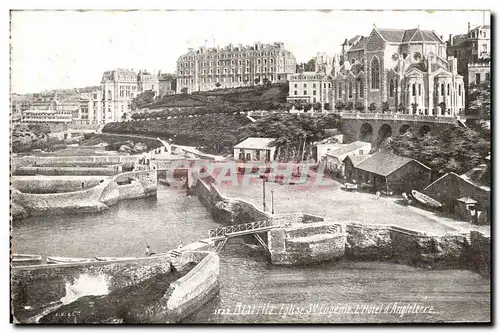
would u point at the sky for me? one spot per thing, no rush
(70, 49)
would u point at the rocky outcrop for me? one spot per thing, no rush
(18, 212)
(368, 242)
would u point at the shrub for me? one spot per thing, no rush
(372, 107)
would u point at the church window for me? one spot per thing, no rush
(361, 89)
(375, 67)
(350, 89)
(448, 89)
(442, 89)
(413, 89)
(391, 88)
(419, 90)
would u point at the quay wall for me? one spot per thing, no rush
(138, 184)
(109, 170)
(54, 184)
(38, 286)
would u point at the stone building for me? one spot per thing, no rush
(91, 107)
(119, 87)
(147, 81)
(473, 52)
(233, 66)
(52, 111)
(311, 87)
(166, 84)
(255, 149)
(407, 69)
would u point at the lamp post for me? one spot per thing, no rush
(272, 201)
(264, 194)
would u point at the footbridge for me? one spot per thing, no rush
(220, 235)
(376, 127)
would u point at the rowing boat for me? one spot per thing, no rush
(69, 260)
(425, 199)
(115, 258)
(26, 259)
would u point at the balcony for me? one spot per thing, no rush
(399, 117)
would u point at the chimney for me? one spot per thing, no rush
(451, 40)
(468, 27)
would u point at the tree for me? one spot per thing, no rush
(442, 105)
(359, 106)
(349, 106)
(184, 90)
(257, 80)
(339, 105)
(142, 99)
(414, 107)
(479, 103)
(457, 149)
(401, 108)
(372, 107)
(217, 84)
(309, 66)
(307, 107)
(317, 106)
(385, 106)
(266, 81)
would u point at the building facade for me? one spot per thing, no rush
(51, 112)
(147, 81)
(310, 87)
(166, 84)
(473, 52)
(91, 108)
(119, 87)
(405, 70)
(229, 67)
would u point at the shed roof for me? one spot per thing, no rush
(346, 149)
(255, 143)
(356, 159)
(385, 164)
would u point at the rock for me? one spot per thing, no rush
(124, 149)
(18, 212)
(139, 147)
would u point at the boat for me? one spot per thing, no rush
(69, 260)
(426, 200)
(350, 187)
(26, 259)
(115, 258)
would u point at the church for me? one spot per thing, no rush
(397, 70)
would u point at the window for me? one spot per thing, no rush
(419, 90)
(442, 89)
(295, 92)
(350, 89)
(305, 85)
(340, 90)
(305, 92)
(391, 88)
(314, 85)
(258, 61)
(375, 70)
(413, 89)
(361, 89)
(324, 85)
(360, 152)
(448, 89)
(487, 78)
(295, 85)
(478, 78)
(459, 90)
(314, 92)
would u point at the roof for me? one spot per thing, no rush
(385, 164)
(255, 143)
(356, 159)
(360, 45)
(467, 200)
(409, 35)
(346, 149)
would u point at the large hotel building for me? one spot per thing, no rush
(229, 67)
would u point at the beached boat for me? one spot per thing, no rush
(115, 258)
(69, 260)
(26, 259)
(425, 199)
(350, 187)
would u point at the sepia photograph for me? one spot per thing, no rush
(276, 166)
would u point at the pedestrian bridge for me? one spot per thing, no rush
(221, 235)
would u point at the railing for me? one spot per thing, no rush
(218, 232)
(398, 116)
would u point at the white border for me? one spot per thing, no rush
(185, 4)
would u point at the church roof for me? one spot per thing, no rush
(409, 35)
(360, 45)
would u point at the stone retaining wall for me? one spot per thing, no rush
(108, 170)
(54, 184)
(98, 198)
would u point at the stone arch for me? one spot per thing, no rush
(365, 132)
(424, 130)
(404, 128)
(384, 132)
